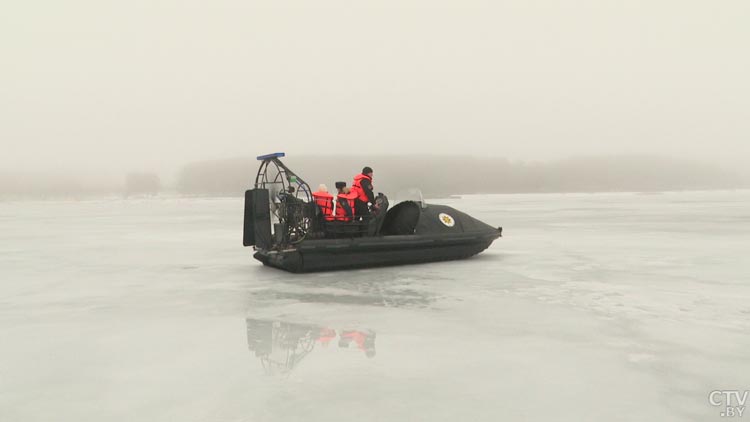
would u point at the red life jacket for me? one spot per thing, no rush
(326, 335)
(358, 337)
(325, 202)
(341, 212)
(357, 187)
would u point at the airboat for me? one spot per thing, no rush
(289, 230)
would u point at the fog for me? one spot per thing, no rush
(616, 133)
(108, 88)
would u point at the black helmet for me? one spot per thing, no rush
(367, 170)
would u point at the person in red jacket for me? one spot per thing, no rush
(343, 204)
(365, 340)
(324, 201)
(362, 187)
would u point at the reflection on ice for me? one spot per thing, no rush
(392, 299)
(393, 288)
(281, 346)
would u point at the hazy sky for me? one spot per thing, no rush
(153, 84)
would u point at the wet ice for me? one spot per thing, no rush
(592, 307)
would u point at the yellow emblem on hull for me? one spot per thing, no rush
(447, 219)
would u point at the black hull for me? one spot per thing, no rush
(339, 254)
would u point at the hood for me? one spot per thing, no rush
(410, 217)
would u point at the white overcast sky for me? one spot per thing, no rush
(153, 84)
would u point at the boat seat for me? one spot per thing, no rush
(401, 219)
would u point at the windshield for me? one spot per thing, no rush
(410, 194)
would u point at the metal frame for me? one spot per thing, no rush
(283, 176)
(289, 200)
(293, 349)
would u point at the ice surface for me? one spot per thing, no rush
(593, 307)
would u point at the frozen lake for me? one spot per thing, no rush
(593, 307)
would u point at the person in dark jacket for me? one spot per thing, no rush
(362, 187)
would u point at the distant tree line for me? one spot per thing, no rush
(142, 184)
(16, 185)
(442, 175)
(435, 175)
(52, 185)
